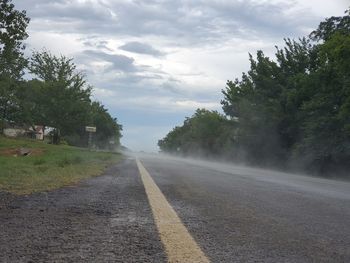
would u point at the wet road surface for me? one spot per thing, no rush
(249, 215)
(104, 219)
(234, 214)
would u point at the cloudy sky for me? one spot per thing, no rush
(153, 62)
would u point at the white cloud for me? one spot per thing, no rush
(157, 103)
(57, 43)
(191, 104)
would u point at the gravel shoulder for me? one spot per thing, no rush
(103, 219)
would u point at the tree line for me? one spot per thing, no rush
(57, 95)
(289, 111)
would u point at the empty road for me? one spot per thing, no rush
(156, 209)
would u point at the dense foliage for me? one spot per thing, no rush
(206, 133)
(58, 96)
(293, 109)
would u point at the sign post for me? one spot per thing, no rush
(90, 130)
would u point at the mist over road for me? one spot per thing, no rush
(239, 214)
(158, 209)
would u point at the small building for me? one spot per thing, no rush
(14, 131)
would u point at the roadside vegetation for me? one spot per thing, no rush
(292, 110)
(47, 90)
(47, 166)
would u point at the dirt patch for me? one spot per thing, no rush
(19, 152)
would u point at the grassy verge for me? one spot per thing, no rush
(48, 166)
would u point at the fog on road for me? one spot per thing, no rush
(227, 214)
(241, 214)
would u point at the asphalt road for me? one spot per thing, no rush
(238, 214)
(234, 214)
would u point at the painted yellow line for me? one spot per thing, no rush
(179, 244)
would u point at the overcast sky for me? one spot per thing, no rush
(153, 62)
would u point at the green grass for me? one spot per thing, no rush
(49, 167)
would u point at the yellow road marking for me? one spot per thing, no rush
(179, 244)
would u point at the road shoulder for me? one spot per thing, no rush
(103, 219)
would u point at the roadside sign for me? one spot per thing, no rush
(90, 129)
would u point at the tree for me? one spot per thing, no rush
(13, 24)
(59, 97)
(325, 143)
(9, 104)
(255, 101)
(297, 107)
(334, 24)
(206, 133)
(64, 99)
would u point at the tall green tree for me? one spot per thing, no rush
(332, 25)
(255, 102)
(325, 141)
(64, 99)
(297, 106)
(13, 25)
